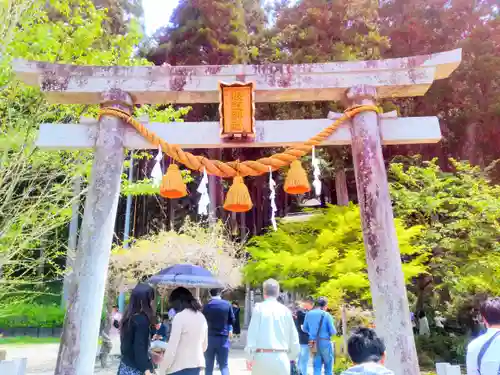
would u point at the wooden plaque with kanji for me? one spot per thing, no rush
(237, 108)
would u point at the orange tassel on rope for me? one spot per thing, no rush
(296, 181)
(238, 198)
(172, 186)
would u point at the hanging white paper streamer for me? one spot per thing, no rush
(157, 173)
(272, 198)
(205, 198)
(316, 173)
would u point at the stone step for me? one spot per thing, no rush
(14, 367)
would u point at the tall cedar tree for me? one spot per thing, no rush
(468, 102)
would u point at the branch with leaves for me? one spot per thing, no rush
(325, 255)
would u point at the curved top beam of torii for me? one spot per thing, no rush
(400, 77)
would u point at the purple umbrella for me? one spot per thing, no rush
(186, 275)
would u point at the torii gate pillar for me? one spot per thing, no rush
(390, 302)
(78, 346)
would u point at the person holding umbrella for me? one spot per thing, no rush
(188, 339)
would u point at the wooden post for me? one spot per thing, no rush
(73, 237)
(248, 306)
(345, 335)
(162, 304)
(392, 314)
(78, 348)
(342, 200)
(214, 189)
(341, 187)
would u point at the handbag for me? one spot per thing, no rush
(313, 344)
(157, 356)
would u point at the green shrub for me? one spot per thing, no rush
(439, 348)
(21, 315)
(342, 363)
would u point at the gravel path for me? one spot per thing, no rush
(42, 360)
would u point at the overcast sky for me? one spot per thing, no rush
(157, 13)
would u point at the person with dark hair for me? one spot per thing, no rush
(299, 317)
(117, 317)
(423, 324)
(159, 331)
(482, 352)
(188, 339)
(135, 332)
(113, 337)
(413, 323)
(236, 312)
(220, 319)
(320, 326)
(367, 352)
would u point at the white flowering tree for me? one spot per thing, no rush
(211, 248)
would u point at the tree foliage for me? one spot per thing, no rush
(305, 34)
(36, 186)
(319, 31)
(211, 32)
(467, 102)
(119, 13)
(460, 214)
(325, 255)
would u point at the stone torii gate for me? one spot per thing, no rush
(359, 83)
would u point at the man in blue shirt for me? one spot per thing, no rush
(320, 326)
(220, 319)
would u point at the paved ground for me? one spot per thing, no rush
(42, 360)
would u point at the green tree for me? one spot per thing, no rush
(119, 13)
(312, 31)
(460, 212)
(211, 32)
(466, 103)
(36, 186)
(325, 255)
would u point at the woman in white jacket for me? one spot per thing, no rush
(188, 342)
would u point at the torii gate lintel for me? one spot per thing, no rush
(398, 77)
